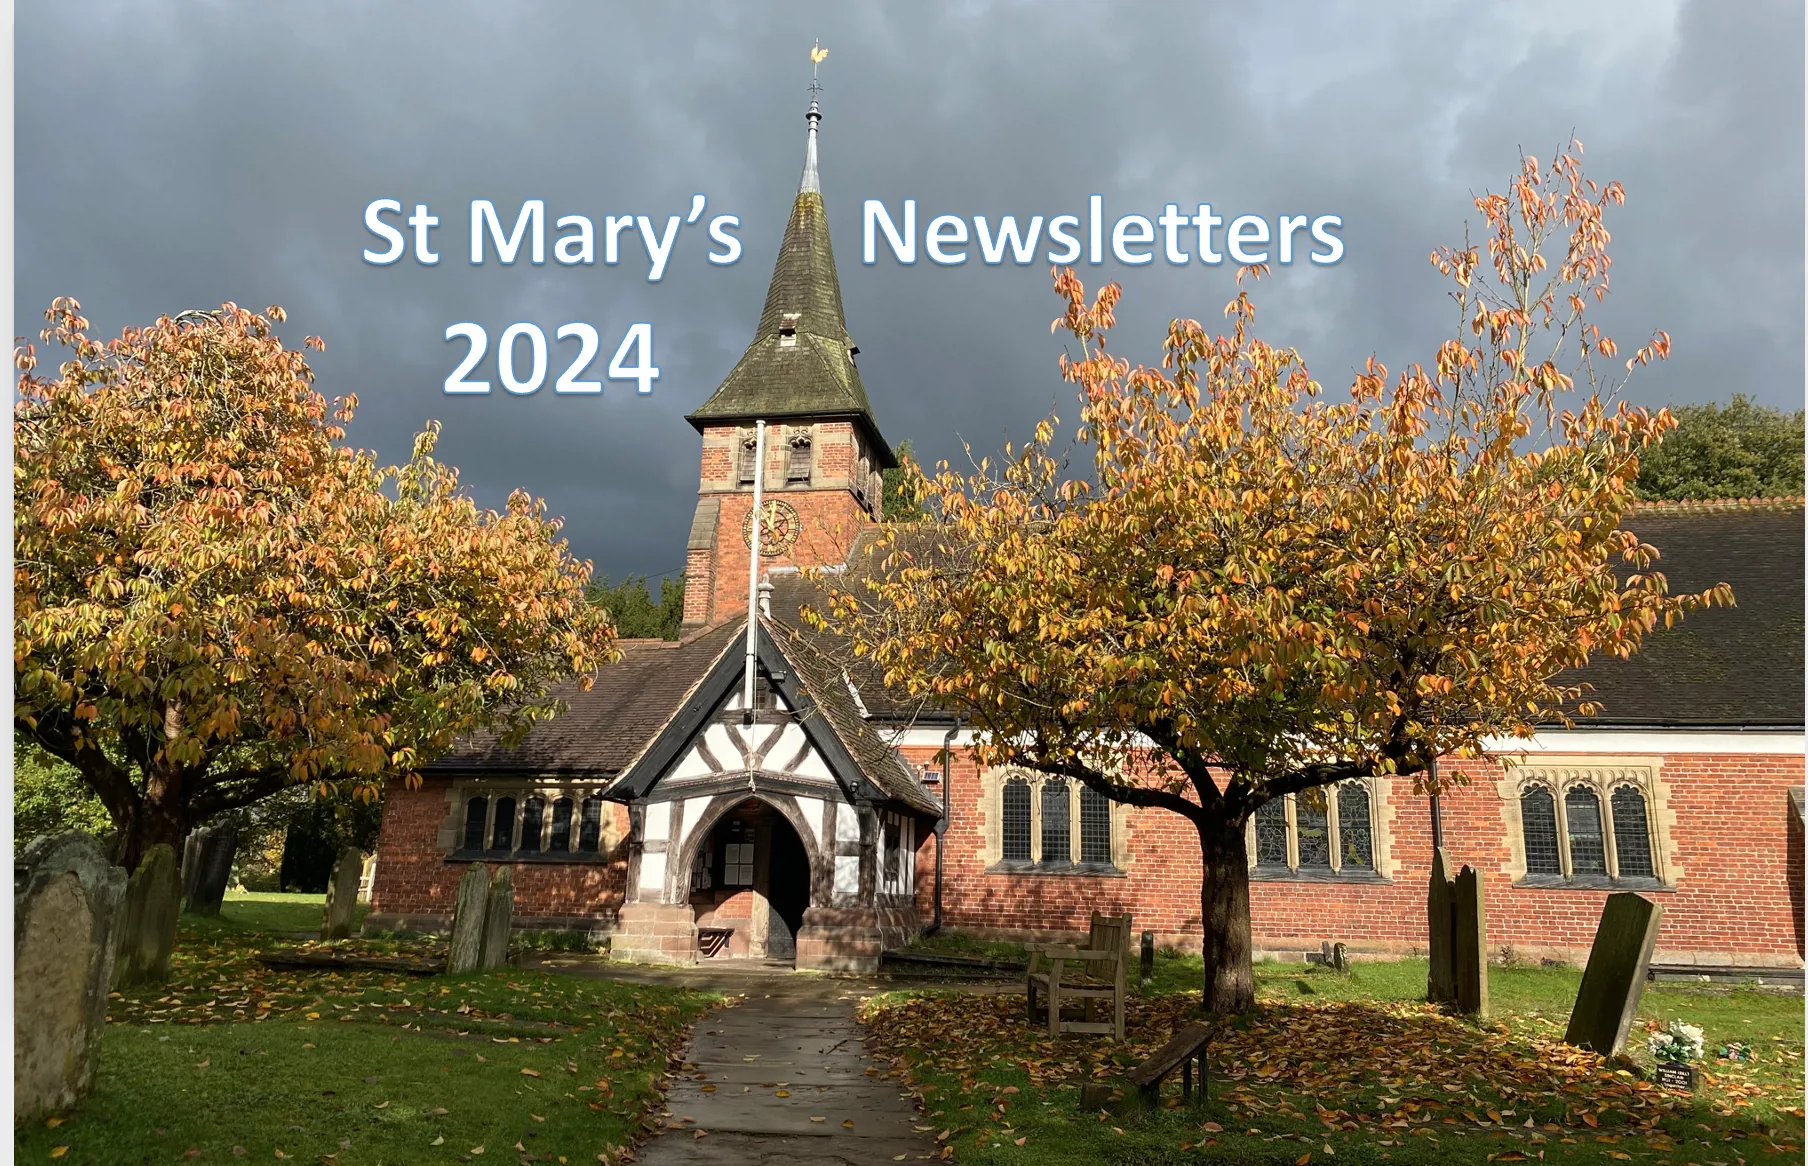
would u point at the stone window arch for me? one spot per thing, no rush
(1039, 823)
(1587, 822)
(1328, 832)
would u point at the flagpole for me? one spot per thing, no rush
(753, 571)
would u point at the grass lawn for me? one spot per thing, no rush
(232, 1060)
(1356, 1069)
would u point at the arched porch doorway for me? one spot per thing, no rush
(750, 877)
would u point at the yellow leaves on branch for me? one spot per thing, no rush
(200, 557)
(1257, 575)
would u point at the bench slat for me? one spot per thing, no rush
(1183, 1045)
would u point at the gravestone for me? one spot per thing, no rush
(1440, 912)
(1146, 969)
(147, 931)
(465, 952)
(1615, 977)
(498, 915)
(1471, 944)
(1675, 1075)
(342, 895)
(1340, 957)
(207, 867)
(66, 900)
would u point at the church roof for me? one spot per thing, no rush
(801, 361)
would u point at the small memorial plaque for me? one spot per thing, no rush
(1676, 1075)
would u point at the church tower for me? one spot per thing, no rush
(824, 453)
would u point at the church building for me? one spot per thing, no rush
(685, 814)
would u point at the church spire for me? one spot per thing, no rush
(801, 362)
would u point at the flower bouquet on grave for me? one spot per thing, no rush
(1734, 1050)
(1675, 1049)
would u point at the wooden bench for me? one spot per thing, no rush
(711, 940)
(1094, 973)
(1189, 1044)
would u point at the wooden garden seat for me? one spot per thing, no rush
(1189, 1044)
(1095, 972)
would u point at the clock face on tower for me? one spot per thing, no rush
(779, 527)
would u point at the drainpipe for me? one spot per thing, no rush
(941, 826)
(1437, 812)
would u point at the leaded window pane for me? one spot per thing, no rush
(1538, 822)
(1271, 833)
(1631, 833)
(1587, 854)
(1056, 829)
(502, 836)
(1095, 826)
(475, 811)
(560, 842)
(590, 829)
(1355, 836)
(533, 813)
(1016, 834)
(1312, 820)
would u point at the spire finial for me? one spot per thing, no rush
(810, 181)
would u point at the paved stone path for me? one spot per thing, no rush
(783, 1075)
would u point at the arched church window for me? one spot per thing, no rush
(590, 826)
(750, 460)
(1015, 800)
(1095, 826)
(476, 810)
(1538, 822)
(533, 812)
(1631, 833)
(1587, 852)
(1355, 835)
(797, 465)
(1057, 832)
(1313, 822)
(502, 836)
(560, 842)
(1271, 833)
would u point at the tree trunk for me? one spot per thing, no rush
(151, 822)
(1224, 915)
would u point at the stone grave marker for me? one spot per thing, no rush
(1470, 948)
(207, 867)
(1340, 957)
(342, 895)
(498, 915)
(1440, 910)
(1146, 967)
(66, 901)
(1614, 980)
(465, 952)
(147, 930)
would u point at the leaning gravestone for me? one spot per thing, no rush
(342, 895)
(1614, 980)
(66, 899)
(465, 952)
(1440, 911)
(1471, 946)
(207, 867)
(498, 915)
(147, 931)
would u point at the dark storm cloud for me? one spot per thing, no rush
(171, 156)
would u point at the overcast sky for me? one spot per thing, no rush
(177, 155)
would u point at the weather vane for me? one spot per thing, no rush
(818, 54)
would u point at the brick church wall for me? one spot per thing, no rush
(1734, 862)
(414, 880)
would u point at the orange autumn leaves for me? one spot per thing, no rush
(211, 586)
(1293, 588)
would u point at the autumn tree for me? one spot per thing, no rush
(1738, 450)
(215, 598)
(1258, 591)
